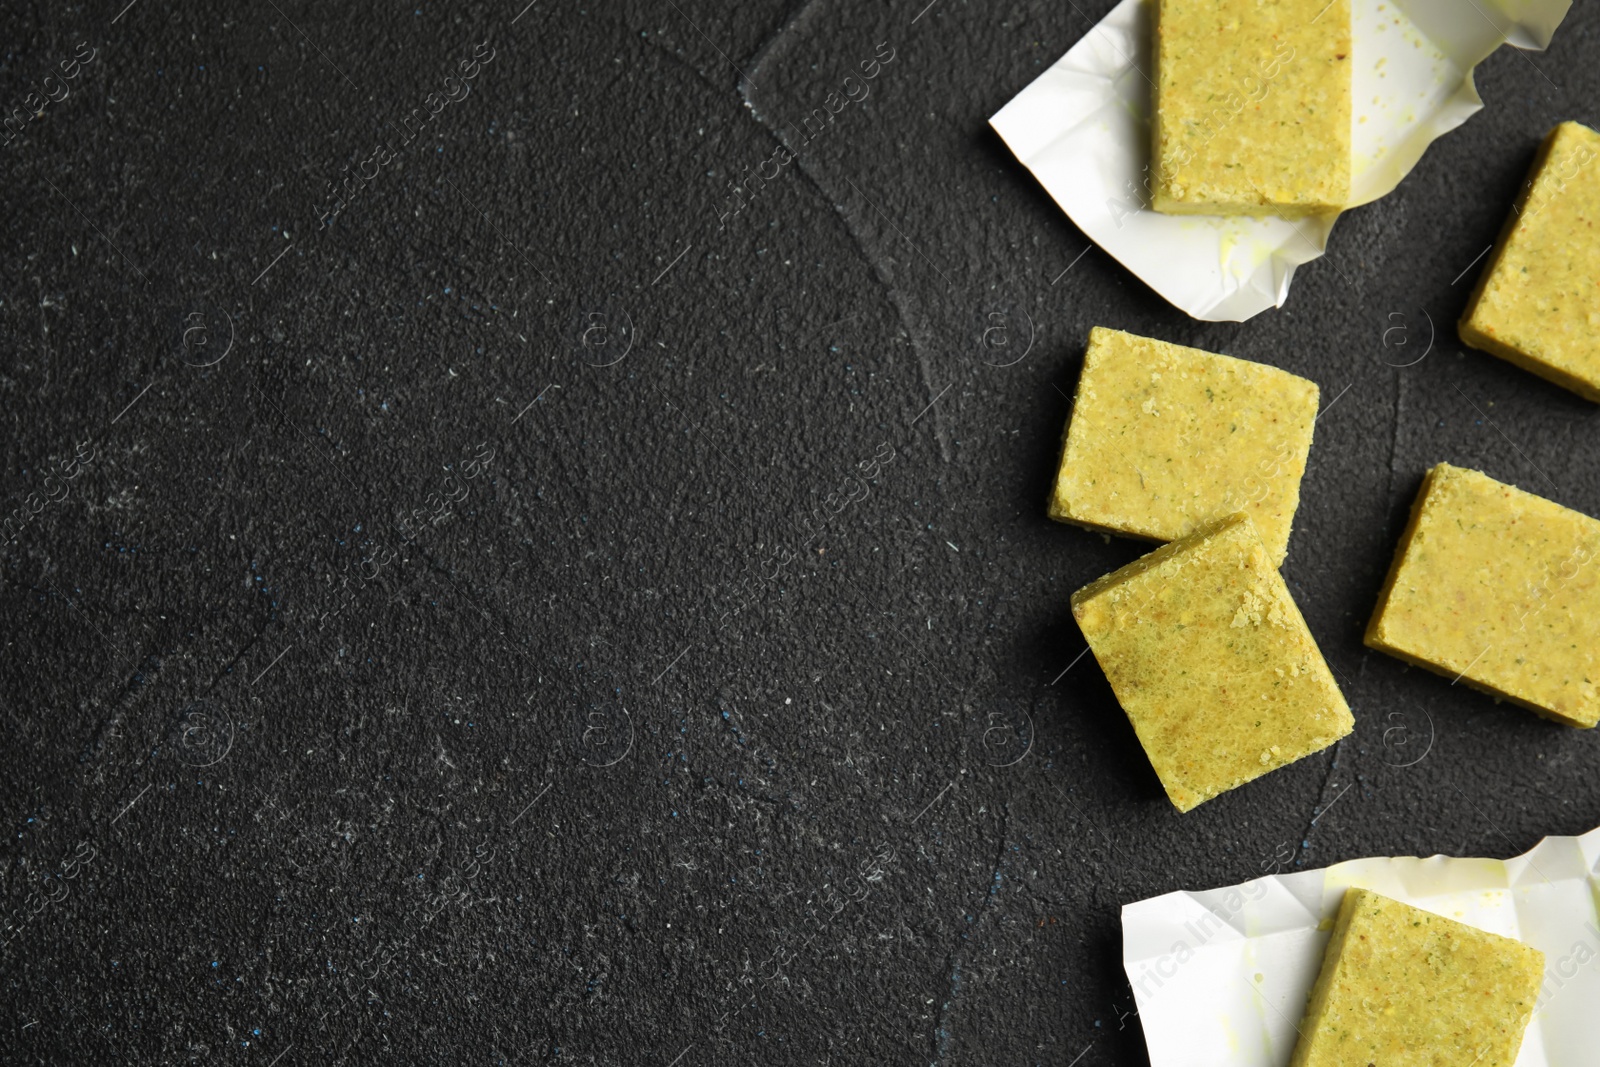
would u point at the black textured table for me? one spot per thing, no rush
(525, 538)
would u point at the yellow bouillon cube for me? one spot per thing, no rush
(1500, 589)
(1212, 662)
(1164, 439)
(1403, 987)
(1252, 106)
(1538, 301)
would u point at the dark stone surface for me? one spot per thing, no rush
(654, 740)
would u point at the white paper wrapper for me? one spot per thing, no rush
(1221, 977)
(1082, 128)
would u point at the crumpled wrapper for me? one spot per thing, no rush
(1083, 129)
(1221, 978)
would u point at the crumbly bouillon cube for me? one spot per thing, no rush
(1164, 439)
(1212, 661)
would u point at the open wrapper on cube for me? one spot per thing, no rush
(1220, 977)
(1083, 129)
